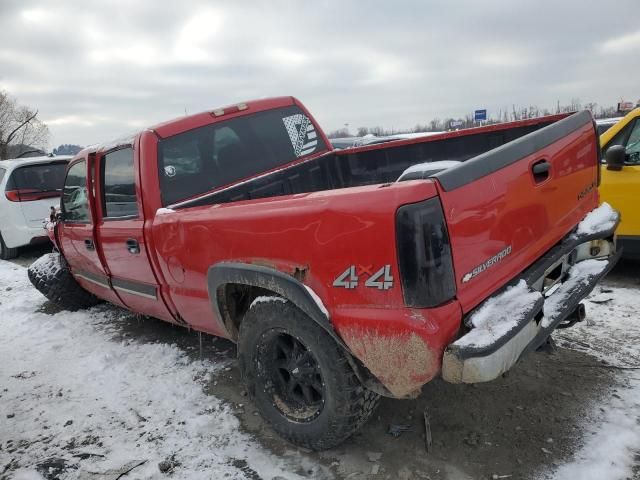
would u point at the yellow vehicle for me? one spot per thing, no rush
(620, 185)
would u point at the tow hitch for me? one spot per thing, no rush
(576, 316)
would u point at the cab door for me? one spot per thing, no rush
(76, 231)
(621, 188)
(120, 234)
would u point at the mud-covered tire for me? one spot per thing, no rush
(345, 404)
(7, 253)
(51, 277)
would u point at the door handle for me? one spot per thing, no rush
(133, 246)
(89, 244)
(541, 170)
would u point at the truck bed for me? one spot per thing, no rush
(501, 215)
(374, 164)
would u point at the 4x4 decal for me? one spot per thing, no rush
(380, 279)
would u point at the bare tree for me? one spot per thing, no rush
(591, 106)
(20, 127)
(340, 133)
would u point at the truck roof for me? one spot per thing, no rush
(189, 122)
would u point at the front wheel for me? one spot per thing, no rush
(299, 378)
(51, 276)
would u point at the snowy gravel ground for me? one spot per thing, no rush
(78, 400)
(611, 334)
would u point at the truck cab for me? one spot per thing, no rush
(621, 178)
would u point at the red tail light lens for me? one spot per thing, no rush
(12, 195)
(28, 195)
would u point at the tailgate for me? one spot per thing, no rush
(508, 206)
(35, 212)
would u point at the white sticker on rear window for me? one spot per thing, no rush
(302, 134)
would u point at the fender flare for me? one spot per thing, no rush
(293, 290)
(284, 285)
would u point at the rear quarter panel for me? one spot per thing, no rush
(319, 234)
(316, 237)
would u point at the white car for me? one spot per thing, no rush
(29, 187)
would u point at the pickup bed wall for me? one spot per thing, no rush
(370, 165)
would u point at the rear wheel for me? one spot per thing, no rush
(7, 253)
(51, 276)
(299, 378)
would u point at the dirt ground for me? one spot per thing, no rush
(516, 427)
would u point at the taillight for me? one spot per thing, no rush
(424, 254)
(29, 195)
(12, 195)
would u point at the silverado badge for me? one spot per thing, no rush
(487, 264)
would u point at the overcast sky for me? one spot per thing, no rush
(96, 70)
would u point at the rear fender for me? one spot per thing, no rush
(286, 286)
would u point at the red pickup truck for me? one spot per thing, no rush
(338, 282)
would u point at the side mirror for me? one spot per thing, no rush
(59, 217)
(615, 157)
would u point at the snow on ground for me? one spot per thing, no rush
(73, 394)
(611, 331)
(612, 335)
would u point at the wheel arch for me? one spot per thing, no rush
(233, 286)
(223, 278)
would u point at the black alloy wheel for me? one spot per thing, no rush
(297, 386)
(299, 377)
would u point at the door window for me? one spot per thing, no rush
(75, 201)
(633, 145)
(629, 138)
(119, 187)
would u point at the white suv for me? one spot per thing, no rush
(29, 187)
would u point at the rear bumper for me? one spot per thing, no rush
(466, 361)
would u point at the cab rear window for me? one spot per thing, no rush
(213, 156)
